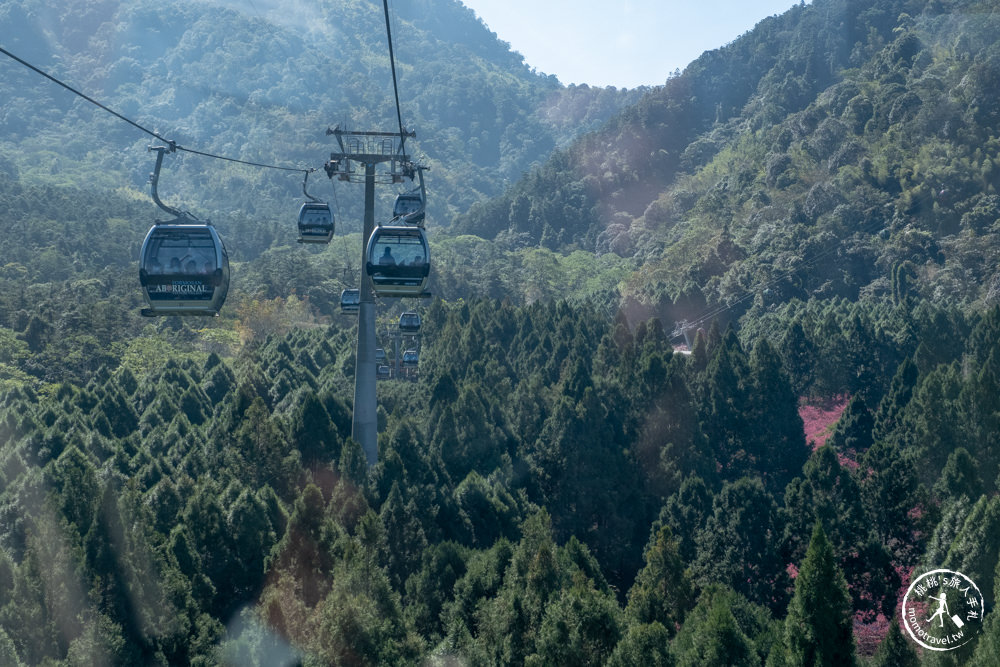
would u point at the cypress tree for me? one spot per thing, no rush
(739, 545)
(975, 550)
(818, 628)
(780, 449)
(988, 645)
(312, 432)
(890, 410)
(960, 477)
(662, 591)
(713, 637)
(643, 645)
(889, 490)
(895, 650)
(853, 431)
(799, 356)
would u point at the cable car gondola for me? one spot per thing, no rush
(183, 270)
(398, 260)
(315, 219)
(379, 355)
(183, 265)
(383, 373)
(410, 358)
(315, 223)
(408, 208)
(409, 322)
(350, 300)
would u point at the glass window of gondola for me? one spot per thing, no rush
(409, 322)
(315, 223)
(398, 261)
(184, 269)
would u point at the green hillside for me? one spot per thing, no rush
(819, 155)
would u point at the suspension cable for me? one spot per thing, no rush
(171, 144)
(395, 86)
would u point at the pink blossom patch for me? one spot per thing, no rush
(819, 417)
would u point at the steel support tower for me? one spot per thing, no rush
(369, 149)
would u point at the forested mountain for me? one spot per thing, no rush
(262, 82)
(556, 484)
(822, 154)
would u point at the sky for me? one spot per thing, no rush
(622, 43)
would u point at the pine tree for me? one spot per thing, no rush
(987, 652)
(581, 626)
(818, 628)
(960, 477)
(739, 545)
(645, 645)
(895, 650)
(312, 431)
(726, 409)
(686, 513)
(714, 638)
(827, 493)
(799, 355)
(662, 592)
(975, 550)
(890, 410)
(780, 448)
(853, 432)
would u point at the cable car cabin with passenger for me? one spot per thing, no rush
(409, 322)
(183, 270)
(408, 208)
(350, 300)
(315, 223)
(398, 261)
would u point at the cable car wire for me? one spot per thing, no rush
(171, 145)
(395, 86)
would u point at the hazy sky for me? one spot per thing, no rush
(623, 43)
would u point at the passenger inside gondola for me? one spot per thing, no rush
(387, 259)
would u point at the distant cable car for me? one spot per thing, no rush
(383, 373)
(398, 260)
(315, 223)
(379, 355)
(315, 218)
(350, 300)
(411, 358)
(183, 270)
(408, 209)
(409, 322)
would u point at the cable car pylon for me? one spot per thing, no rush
(369, 149)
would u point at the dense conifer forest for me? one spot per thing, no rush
(562, 481)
